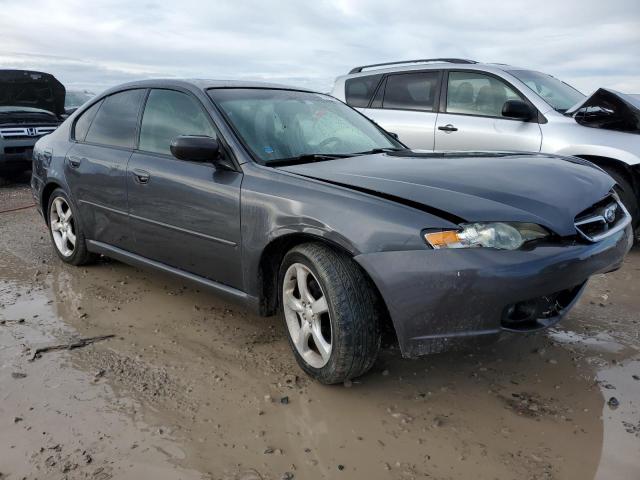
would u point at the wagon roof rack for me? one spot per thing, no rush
(423, 60)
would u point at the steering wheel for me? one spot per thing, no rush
(328, 141)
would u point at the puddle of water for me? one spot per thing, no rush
(58, 420)
(621, 446)
(600, 341)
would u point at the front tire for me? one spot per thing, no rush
(330, 310)
(66, 231)
(627, 196)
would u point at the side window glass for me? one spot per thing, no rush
(169, 114)
(379, 96)
(358, 90)
(84, 122)
(116, 120)
(411, 91)
(477, 94)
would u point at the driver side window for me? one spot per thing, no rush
(169, 114)
(473, 93)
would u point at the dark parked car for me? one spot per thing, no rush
(289, 200)
(31, 105)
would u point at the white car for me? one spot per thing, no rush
(457, 104)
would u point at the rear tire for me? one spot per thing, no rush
(348, 325)
(65, 230)
(627, 195)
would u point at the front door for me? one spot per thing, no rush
(472, 119)
(183, 214)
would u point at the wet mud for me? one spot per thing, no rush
(191, 387)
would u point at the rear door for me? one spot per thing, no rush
(183, 214)
(95, 166)
(406, 104)
(471, 118)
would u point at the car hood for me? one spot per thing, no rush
(32, 117)
(474, 187)
(26, 88)
(609, 110)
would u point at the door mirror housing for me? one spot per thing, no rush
(518, 110)
(199, 148)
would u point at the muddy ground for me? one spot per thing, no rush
(191, 387)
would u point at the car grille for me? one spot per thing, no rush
(603, 219)
(19, 133)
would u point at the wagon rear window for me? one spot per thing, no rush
(359, 90)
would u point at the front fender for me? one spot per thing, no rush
(314, 229)
(275, 204)
(605, 151)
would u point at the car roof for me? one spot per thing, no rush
(436, 64)
(202, 84)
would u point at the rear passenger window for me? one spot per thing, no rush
(412, 91)
(379, 96)
(116, 121)
(84, 122)
(359, 90)
(169, 114)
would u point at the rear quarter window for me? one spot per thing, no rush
(84, 122)
(358, 91)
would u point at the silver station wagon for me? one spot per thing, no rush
(456, 104)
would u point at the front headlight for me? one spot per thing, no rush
(499, 235)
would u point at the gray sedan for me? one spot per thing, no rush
(290, 201)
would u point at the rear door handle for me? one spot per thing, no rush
(141, 176)
(74, 161)
(448, 128)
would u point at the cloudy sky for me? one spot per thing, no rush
(99, 43)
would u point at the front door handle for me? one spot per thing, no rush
(448, 128)
(74, 161)
(141, 176)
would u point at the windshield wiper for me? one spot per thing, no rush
(308, 158)
(381, 150)
(321, 157)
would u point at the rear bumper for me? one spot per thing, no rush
(37, 187)
(438, 299)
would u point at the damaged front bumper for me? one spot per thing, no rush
(609, 110)
(439, 299)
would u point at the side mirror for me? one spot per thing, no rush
(517, 109)
(195, 148)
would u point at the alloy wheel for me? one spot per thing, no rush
(307, 315)
(62, 226)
